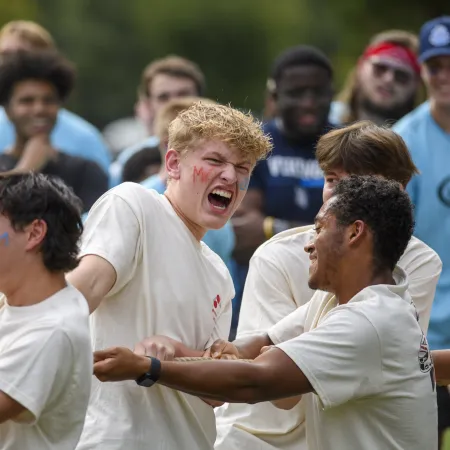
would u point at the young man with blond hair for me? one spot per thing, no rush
(220, 241)
(144, 271)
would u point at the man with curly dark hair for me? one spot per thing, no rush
(33, 87)
(45, 351)
(373, 382)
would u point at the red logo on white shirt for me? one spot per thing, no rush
(216, 306)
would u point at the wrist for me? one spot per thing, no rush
(142, 365)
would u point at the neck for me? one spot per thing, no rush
(354, 282)
(441, 115)
(364, 114)
(195, 229)
(35, 287)
(18, 147)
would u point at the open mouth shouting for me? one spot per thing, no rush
(220, 199)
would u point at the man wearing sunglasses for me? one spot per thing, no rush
(385, 82)
(426, 132)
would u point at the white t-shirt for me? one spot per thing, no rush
(46, 366)
(274, 288)
(276, 297)
(369, 364)
(168, 283)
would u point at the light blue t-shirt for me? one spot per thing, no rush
(220, 241)
(429, 145)
(72, 134)
(116, 168)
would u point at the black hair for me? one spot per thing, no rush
(384, 207)
(45, 65)
(135, 166)
(301, 55)
(33, 196)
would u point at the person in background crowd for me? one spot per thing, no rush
(145, 271)
(220, 241)
(385, 84)
(33, 86)
(286, 189)
(45, 348)
(426, 131)
(72, 134)
(162, 80)
(277, 283)
(142, 165)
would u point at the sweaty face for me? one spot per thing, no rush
(436, 75)
(325, 251)
(212, 183)
(386, 85)
(304, 95)
(33, 107)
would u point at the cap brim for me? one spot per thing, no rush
(432, 52)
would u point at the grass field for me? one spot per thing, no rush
(446, 445)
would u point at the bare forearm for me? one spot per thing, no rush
(250, 347)
(227, 381)
(441, 360)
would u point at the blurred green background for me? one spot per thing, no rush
(233, 41)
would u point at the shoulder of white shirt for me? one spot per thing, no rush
(298, 235)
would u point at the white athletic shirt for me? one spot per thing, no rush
(275, 291)
(369, 364)
(168, 283)
(46, 366)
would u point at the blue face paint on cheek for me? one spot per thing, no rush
(243, 184)
(5, 238)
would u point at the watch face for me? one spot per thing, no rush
(146, 382)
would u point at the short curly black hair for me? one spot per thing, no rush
(32, 196)
(384, 206)
(300, 55)
(45, 65)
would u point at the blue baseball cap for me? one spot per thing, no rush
(435, 38)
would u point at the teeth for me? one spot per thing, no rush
(222, 193)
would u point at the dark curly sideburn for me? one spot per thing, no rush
(28, 197)
(384, 206)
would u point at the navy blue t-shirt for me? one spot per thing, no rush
(290, 179)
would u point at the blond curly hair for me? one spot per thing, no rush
(212, 122)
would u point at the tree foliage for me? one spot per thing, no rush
(234, 41)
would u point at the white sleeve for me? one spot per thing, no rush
(36, 367)
(423, 267)
(112, 231)
(291, 326)
(342, 357)
(267, 297)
